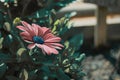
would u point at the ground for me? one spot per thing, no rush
(101, 63)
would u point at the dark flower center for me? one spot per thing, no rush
(38, 39)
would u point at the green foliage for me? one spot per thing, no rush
(19, 63)
(3, 68)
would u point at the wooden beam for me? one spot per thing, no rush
(100, 28)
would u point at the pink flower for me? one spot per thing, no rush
(40, 37)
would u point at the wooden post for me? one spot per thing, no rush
(100, 28)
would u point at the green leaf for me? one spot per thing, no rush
(76, 41)
(11, 78)
(32, 75)
(8, 40)
(82, 73)
(3, 68)
(61, 75)
(24, 75)
(21, 51)
(1, 41)
(7, 26)
(5, 57)
(80, 58)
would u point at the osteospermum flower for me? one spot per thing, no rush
(40, 37)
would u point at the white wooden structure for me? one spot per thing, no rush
(100, 30)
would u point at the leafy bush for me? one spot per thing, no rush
(17, 62)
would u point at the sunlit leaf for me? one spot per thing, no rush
(21, 51)
(1, 41)
(7, 26)
(24, 75)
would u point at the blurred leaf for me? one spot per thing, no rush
(60, 26)
(76, 41)
(7, 26)
(3, 68)
(16, 21)
(81, 73)
(66, 44)
(5, 57)
(1, 41)
(75, 55)
(21, 51)
(81, 57)
(8, 40)
(32, 75)
(24, 75)
(46, 70)
(12, 78)
(40, 13)
(61, 75)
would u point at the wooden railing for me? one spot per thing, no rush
(100, 34)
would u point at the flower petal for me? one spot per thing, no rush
(29, 28)
(21, 28)
(55, 39)
(48, 50)
(48, 35)
(55, 45)
(31, 46)
(45, 30)
(35, 28)
(28, 41)
(26, 35)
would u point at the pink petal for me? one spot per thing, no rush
(21, 28)
(40, 31)
(31, 46)
(28, 28)
(45, 30)
(47, 36)
(35, 28)
(48, 50)
(26, 35)
(28, 41)
(54, 45)
(55, 39)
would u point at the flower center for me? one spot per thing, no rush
(38, 39)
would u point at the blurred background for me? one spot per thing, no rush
(99, 22)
